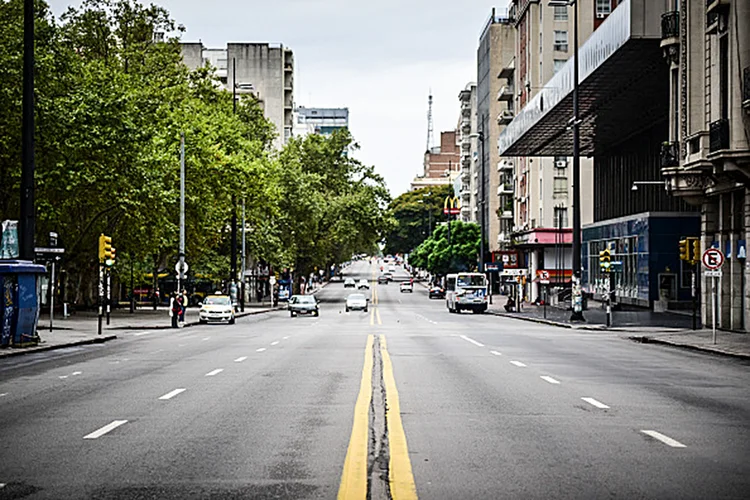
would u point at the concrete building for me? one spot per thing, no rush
(705, 153)
(468, 187)
(322, 121)
(442, 164)
(496, 46)
(624, 105)
(263, 70)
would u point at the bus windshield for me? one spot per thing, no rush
(471, 280)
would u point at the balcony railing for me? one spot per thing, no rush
(670, 154)
(718, 135)
(670, 25)
(746, 88)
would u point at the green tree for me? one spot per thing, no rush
(438, 256)
(414, 214)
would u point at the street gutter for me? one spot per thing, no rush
(43, 348)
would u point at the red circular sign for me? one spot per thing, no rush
(713, 258)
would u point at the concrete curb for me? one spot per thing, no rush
(538, 320)
(192, 323)
(703, 349)
(95, 340)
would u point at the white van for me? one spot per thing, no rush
(466, 291)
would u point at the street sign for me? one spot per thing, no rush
(713, 273)
(48, 250)
(513, 272)
(713, 258)
(492, 266)
(544, 277)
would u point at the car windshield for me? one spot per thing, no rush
(356, 296)
(216, 301)
(305, 299)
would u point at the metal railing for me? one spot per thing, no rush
(670, 25)
(718, 135)
(670, 154)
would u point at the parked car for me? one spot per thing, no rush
(436, 292)
(217, 308)
(349, 283)
(383, 279)
(406, 287)
(303, 304)
(356, 301)
(363, 284)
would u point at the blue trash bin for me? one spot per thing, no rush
(19, 308)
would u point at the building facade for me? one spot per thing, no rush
(468, 187)
(263, 70)
(496, 47)
(323, 121)
(442, 164)
(705, 154)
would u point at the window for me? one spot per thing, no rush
(561, 186)
(561, 41)
(559, 63)
(561, 217)
(603, 8)
(561, 12)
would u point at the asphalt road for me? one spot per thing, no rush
(437, 405)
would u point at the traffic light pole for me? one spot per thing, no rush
(101, 298)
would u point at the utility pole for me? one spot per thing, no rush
(27, 221)
(482, 201)
(242, 261)
(233, 258)
(181, 273)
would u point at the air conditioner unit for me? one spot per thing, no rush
(601, 15)
(561, 164)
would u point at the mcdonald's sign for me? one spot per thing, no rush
(452, 206)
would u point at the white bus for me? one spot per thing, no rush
(466, 291)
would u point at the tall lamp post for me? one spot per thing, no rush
(27, 222)
(576, 296)
(480, 137)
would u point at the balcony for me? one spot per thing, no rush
(718, 135)
(504, 165)
(746, 89)
(504, 189)
(506, 214)
(670, 154)
(670, 28)
(505, 93)
(715, 5)
(505, 117)
(465, 145)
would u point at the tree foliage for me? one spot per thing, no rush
(414, 214)
(112, 105)
(438, 256)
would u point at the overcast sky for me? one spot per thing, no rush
(380, 59)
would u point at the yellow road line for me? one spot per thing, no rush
(354, 477)
(400, 474)
(377, 313)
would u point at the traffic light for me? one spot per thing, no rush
(684, 250)
(605, 260)
(696, 249)
(111, 261)
(105, 248)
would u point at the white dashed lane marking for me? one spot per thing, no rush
(172, 394)
(260, 349)
(214, 372)
(107, 428)
(206, 338)
(549, 379)
(275, 343)
(496, 353)
(76, 373)
(664, 439)
(241, 359)
(596, 403)
(467, 339)
(517, 363)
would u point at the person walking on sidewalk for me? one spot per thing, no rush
(183, 305)
(174, 310)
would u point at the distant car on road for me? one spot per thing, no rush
(406, 287)
(437, 292)
(391, 269)
(388, 276)
(217, 308)
(356, 301)
(349, 283)
(363, 284)
(303, 304)
(382, 279)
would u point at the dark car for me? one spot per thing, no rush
(303, 304)
(437, 292)
(382, 279)
(388, 276)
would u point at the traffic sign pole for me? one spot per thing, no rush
(712, 260)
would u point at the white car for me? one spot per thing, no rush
(363, 284)
(356, 301)
(391, 269)
(217, 308)
(349, 282)
(406, 287)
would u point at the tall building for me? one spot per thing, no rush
(319, 120)
(263, 70)
(705, 149)
(468, 185)
(442, 164)
(623, 117)
(496, 46)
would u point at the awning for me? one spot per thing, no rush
(623, 88)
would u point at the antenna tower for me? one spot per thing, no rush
(429, 123)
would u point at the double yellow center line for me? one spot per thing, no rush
(375, 312)
(354, 479)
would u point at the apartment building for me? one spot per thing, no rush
(705, 153)
(467, 187)
(263, 70)
(496, 46)
(623, 119)
(442, 164)
(323, 121)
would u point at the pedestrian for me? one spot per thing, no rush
(510, 305)
(174, 310)
(183, 305)
(275, 296)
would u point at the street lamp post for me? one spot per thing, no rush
(576, 295)
(27, 222)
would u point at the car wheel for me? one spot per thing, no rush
(291, 314)
(202, 321)
(231, 320)
(316, 313)
(365, 309)
(347, 309)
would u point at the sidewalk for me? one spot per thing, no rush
(637, 325)
(82, 327)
